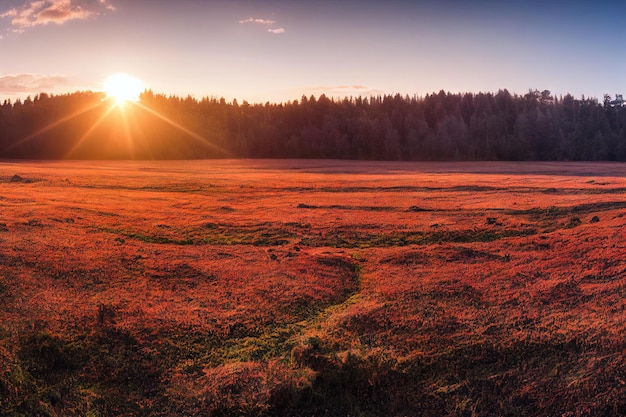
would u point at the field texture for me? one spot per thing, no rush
(313, 288)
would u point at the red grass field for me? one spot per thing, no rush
(312, 288)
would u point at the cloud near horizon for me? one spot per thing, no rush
(267, 22)
(22, 84)
(256, 20)
(42, 12)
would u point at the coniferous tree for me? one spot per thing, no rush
(439, 126)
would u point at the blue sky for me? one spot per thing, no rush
(280, 50)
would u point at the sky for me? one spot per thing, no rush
(280, 50)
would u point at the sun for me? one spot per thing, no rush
(122, 88)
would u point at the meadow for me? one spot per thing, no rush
(312, 288)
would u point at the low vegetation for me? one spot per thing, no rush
(280, 288)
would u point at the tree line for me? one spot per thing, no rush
(439, 127)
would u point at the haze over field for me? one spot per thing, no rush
(279, 50)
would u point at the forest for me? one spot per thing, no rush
(441, 126)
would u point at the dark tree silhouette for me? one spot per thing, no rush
(439, 126)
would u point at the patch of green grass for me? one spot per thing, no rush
(270, 235)
(343, 207)
(143, 237)
(213, 235)
(340, 239)
(541, 213)
(273, 343)
(278, 340)
(553, 212)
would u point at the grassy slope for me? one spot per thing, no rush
(312, 288)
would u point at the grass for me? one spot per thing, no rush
(348, 239)
(210, 234)
(255, 288)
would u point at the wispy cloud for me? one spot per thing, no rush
(256, 20)
(22, 84)
(348, 87)
(42, 12)
(266, 22)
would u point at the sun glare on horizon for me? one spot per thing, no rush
(122, 88)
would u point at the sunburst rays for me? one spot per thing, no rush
(52, 125)
(125, 119)
(183, 129)
(89, 131)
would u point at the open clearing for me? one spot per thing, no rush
(251, 287)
